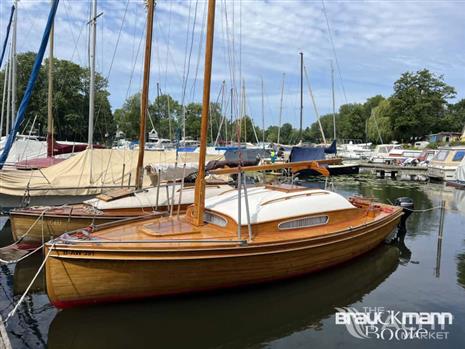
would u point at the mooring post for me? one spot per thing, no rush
(440, 235)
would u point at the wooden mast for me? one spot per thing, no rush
(50, 97)
(199, 200)
(145, 93)
(301, 94)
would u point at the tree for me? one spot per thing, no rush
(247, 133)
(379, 124)
(419, 104)
(313, 134)
(70, 99)
(128, 117)
(165, 112)
(370, 104)
(271, 134)
(286, 133)
(351, 121)
(455, 117)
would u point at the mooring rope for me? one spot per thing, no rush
(13, 261)
(421, 210)
(13, 311)
(41, 216)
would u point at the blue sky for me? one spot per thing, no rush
(375, 41)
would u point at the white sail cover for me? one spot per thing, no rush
(24, 149)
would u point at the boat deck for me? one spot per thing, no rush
(175, 232)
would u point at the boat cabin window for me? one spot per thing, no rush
(214, 219)
(441, 155)
(459, 155)
(305, 222)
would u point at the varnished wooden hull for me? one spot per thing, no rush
(297, 309)
(40, 227)
(50, 226)
(77, 276)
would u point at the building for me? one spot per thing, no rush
(444, 137)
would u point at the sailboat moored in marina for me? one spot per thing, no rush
(240, 237)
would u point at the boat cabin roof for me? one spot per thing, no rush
(269, 203)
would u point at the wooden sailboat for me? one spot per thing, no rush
(42, 223)
(288, 231)
(38, 224)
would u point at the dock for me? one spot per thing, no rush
(4, 340)
(394, 171)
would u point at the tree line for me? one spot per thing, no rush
(420, 105)
(70, 100)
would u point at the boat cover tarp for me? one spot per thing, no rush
(111, 169)
(332, 149)
(212, 165)
(60, 148)
(246, 154)
(306, 154)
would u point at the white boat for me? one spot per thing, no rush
(404, 156)
(355, 151)
(444, 165)
(381, 153)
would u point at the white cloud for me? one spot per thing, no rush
(375, 41)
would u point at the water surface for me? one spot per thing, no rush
(405, 276)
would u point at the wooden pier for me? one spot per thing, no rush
(396, 171)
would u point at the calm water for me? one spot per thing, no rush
(296, 314)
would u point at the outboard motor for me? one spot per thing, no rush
(407, 204)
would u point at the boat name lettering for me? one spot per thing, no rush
(78, 253)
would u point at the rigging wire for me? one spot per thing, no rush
(76, 42)
(168, 44)
(117, 40)
(169, 53)
(112, 59)
(134, 64)
(199, 50)
(232, 64)
(187, 64)
(334, 50)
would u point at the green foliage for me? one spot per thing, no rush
(127, 117)
(419, 104)
(417, 108)
(457, 142)
(271, 134)
(70, 99)
(454, 120)
(379, 126)
(164, 113)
